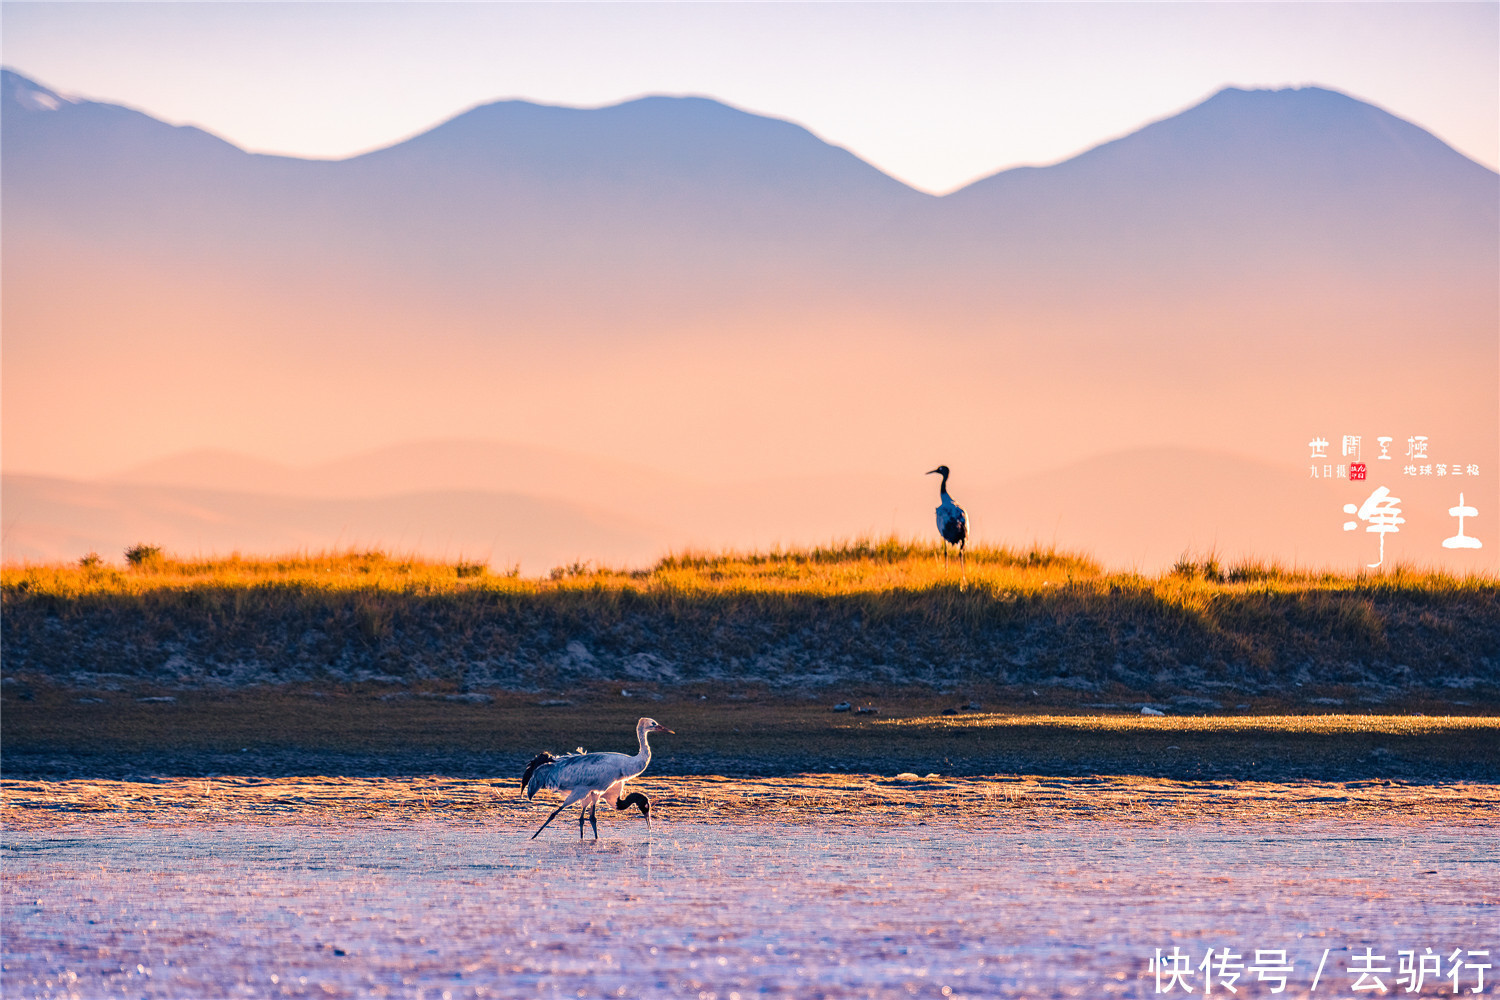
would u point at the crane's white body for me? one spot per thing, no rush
(590, 777)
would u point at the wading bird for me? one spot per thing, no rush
(952, 522)
(593, 776)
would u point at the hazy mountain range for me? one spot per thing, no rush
(771, 337)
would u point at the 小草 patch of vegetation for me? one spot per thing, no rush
(871, 615)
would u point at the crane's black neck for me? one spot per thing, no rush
(635, 799)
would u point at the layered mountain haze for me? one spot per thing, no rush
(769, 338)
(54, 520)
(1142, 509)
(464, 466)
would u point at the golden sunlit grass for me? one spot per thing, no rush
(869, 615)
(858, 567)
(327, 571)
(861, 567)
(866, 799)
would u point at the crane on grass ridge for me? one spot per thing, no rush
(952, 522)
(593, 776)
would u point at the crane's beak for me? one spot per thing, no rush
(659, 728)
(933, 472)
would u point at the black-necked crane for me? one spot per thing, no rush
(952, 522)
(593, 776)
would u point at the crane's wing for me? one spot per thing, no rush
(952, 522)
(580, 770)
(539, 760)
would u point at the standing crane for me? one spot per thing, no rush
(593, 776)
(952, 522)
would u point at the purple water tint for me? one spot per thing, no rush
(435, 909)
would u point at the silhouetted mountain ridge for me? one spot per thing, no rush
(1248, 134)
(35, 117)
(635, 177)
(692, 143)
(1246, 176)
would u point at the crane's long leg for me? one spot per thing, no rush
(572, 798)
(593, 820)
(591, 799)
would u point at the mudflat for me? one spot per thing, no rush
(57, 735)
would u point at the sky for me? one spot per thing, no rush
(935, 94)
(283, 365)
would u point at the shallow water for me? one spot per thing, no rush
(449, 910)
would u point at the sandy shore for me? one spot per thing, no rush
(839, 798)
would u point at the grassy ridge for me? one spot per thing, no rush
(867, 616)
(860, 567)
(863, 566)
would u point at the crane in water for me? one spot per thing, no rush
(952, 522)
(593, 776)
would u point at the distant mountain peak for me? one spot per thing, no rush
(1262, 139)
(1301, 88)
(29, 94)
(1305, 101)
(656, 143)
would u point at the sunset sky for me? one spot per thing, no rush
(770, 344)
(937, 95)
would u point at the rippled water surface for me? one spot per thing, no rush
(448, 910)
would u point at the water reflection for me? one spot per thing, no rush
(1069, 909)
